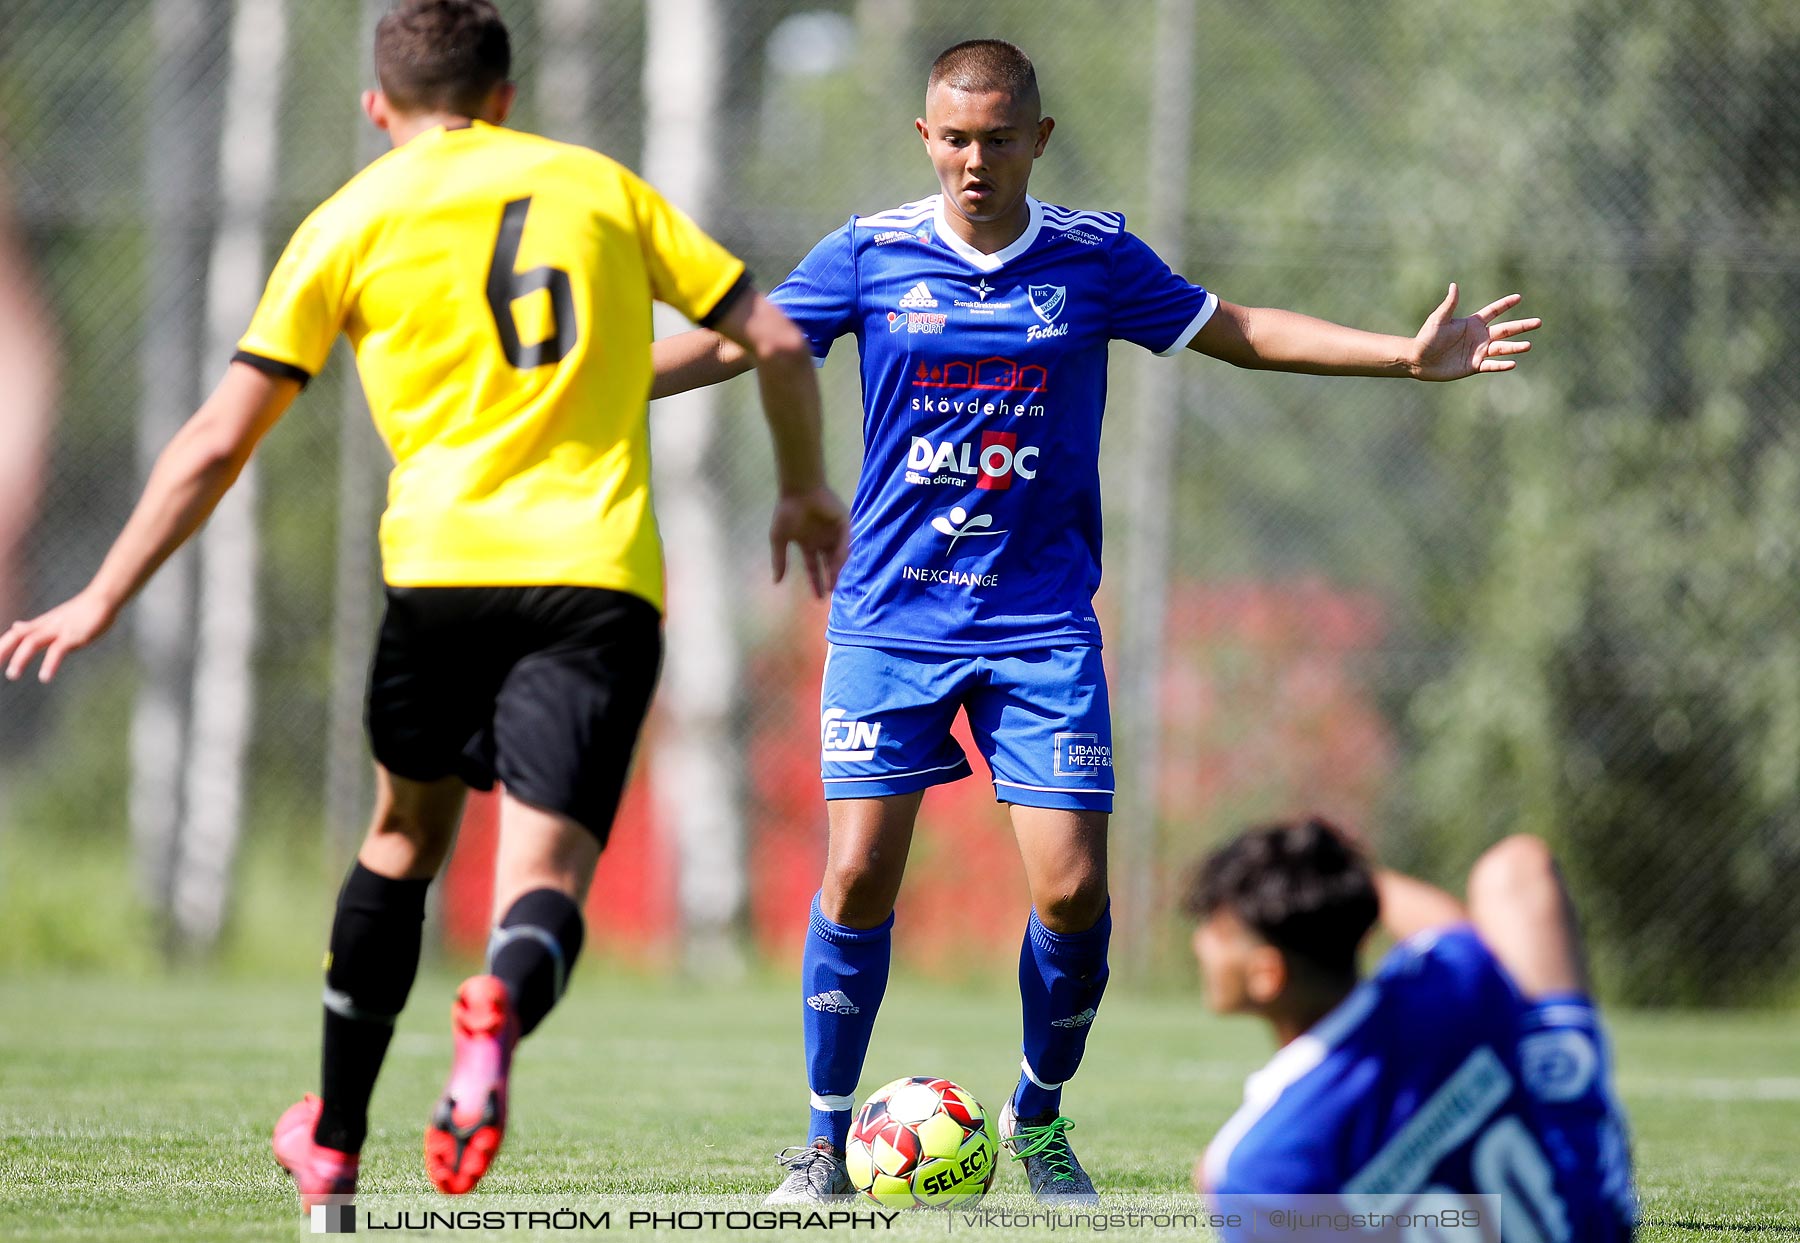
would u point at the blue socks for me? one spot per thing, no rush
(1062, 977)
(843, 975)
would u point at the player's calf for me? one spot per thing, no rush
(1062, 979)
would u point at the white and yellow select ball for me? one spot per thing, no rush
(922, 1141)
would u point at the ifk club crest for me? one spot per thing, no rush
(1047, 300)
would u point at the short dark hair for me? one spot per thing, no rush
(445, 55)
(1301, 886)
(985, 65)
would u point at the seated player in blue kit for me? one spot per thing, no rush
(1472, 1061)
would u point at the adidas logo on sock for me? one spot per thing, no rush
(833, 1002)
(1075, 1020)
(917, 298)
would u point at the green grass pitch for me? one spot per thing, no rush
(140, 1109)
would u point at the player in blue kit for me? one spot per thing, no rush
(1472, 1061)
(983, 317)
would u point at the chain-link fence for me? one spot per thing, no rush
(1561, 601)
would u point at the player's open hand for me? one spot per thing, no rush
(1451, 348)
(66, 628)
(819, 525)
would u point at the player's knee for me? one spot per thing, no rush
(1519, 870)
(1073, 909)
(408, 840)
(858, 895)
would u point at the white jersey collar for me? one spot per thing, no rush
(980, 259)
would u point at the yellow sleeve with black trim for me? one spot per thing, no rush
(688, 269)
(303, 305)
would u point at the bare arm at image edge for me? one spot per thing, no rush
(807, 514)
(190, 477)
(28, 360)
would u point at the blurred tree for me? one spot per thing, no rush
(1630, 685)
(180, 177)
(697, 763)
(224, 686)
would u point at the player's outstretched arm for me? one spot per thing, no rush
(695, 359)
(191, 475)
(1410, 905)
(808, 513)
(1444, 348)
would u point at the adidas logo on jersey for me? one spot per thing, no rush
(918, 298)
(1076, 1020)
(833, 1002)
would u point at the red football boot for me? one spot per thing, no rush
(470, 1119)
(318, 1171)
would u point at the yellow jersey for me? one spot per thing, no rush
(496, 287)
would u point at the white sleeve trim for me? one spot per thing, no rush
(1194, 325)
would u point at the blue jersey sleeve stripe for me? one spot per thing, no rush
(1065, 217)
(906, 214)
(1194, 326)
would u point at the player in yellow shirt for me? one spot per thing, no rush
(496, 287)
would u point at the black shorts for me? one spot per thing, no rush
(544, 688)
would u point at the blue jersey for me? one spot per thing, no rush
(976, 522)
(1435, 1075)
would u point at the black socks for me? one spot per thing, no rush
(374, 956)
(533, 950)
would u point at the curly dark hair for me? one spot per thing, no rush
(1301, 886)
(446, 55)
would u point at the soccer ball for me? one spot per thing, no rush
(922, 1141)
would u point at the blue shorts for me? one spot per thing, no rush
(1040, 719)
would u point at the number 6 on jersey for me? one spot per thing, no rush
(505, 287)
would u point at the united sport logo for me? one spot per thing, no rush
(918, 298)
(959, 524)
(918, 321)
(992, 465)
